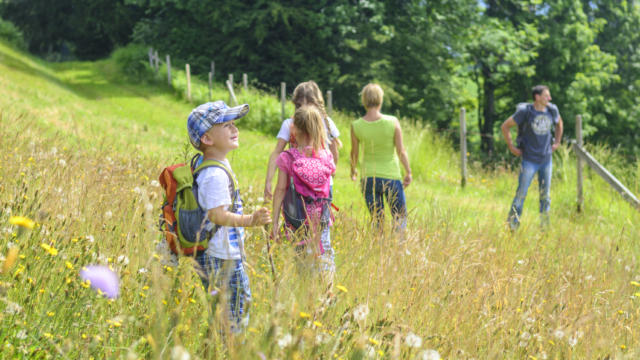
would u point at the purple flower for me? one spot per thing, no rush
(102, 278)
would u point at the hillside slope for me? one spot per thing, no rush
(80, 150)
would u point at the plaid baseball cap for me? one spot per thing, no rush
(206, 115)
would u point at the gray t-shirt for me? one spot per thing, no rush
(534, 131)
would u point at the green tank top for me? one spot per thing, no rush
(378, 153)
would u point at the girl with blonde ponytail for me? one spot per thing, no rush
(308, 166)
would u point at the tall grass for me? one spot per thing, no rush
(80, 153)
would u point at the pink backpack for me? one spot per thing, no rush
(309, 189)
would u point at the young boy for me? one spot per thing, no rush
(212, 131)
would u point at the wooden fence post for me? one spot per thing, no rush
(579, 162)
(463, 147)
(283, 96)
(232, 95)
(231, 79)
(329, 102)
(213, 70)
(150, 57)
(188, 69)
(155, 55)
(210, 86)
(169, 69)
(245, 81)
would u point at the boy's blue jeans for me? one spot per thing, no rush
(375, 190)
(527, 171)
(229, 276)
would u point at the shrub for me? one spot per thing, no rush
(133, 62)
(12, 34)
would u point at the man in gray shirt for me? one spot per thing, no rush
(535, 144)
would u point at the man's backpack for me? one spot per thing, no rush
(182, 219)
(309, 186)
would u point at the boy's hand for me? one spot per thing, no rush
(261, 216)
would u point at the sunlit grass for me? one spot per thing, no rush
(80, 154)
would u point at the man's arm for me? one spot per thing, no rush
(506, 132)
(558, 137)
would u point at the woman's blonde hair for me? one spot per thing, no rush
(308, 93)
(372, 95)
(308, 120)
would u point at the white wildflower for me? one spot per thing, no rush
(60, 217)
(388, 305)
(12, 308)
(180, 353)
(108, 214)
(148, 207)
(54, 150)
(413, 340)
(285, 341)
(543, 355)
(530, 320)
(523, 344)
(361, 312)
(322, 338)
(525, 336)
(123, 259)
(62, 162)
(143, 271)
(137, 190)
(7, 210)
(21, 335)
(589, 278)
(559, 334)
(429, 354)
(90, 238)
(573, 340)
(155, 183)
(370, 352)
(520, 262)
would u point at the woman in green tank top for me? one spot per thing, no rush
(380, 138)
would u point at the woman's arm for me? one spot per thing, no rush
(271, 168)
(333, 147)
(402, 155)
(355, 147)
(281, 188)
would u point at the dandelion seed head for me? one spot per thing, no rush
(285, 341)
(558, 334)
(108, 214)
(412, 340)
(361, 312)
(62, 162)
(429, 354)
(155, 183)
(180, 353)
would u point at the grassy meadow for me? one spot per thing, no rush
(81, 150)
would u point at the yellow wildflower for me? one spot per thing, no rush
(317, 324)
(304, 315)
(51, 250)
(373, 341)
(22, 221)
(68, 265)
(342, 288)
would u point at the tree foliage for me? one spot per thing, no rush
(431, 57)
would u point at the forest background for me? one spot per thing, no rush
(431, 57)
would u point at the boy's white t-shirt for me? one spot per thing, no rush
(213, 191)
